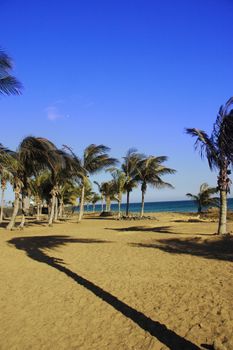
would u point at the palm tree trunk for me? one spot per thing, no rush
(15, 212)
(223, 183)
(102, 204)
(53, 203)
(108, 203)
(40, 209)
(127, 204)
(21, 226)
(81, 203)
(222, 226)
(38, 212)
(142, 204)
(119, 209)
(56, 209)
(60, 211)
(2, 205)
(105, 199)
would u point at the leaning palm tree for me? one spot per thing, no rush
(204, 197)
(149, 172)
(218, 149)
(129, 167)
(95, 158)
(9, 85)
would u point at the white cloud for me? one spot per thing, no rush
(53, 113)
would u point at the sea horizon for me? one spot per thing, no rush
(181, 206)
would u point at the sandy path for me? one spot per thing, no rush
(105, 284)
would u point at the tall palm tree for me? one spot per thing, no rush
(149, 172)
(9, 85)
(95, 158)
(218, 149)
(129, 167)
(204, 197)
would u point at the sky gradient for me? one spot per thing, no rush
(122, 73)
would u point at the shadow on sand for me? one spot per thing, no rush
(221, 248)
(34, 246)
(159, 229)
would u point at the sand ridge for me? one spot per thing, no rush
(107, 284)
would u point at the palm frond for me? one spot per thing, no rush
(37, 153)
(5, 61)
(205, 145)
(223, 130)
(192, 196)
(9, 85)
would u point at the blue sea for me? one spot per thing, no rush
(155, 207)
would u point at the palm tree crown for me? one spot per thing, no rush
(204, 197)
(149, 172)
(129, 167)
(218, 149)
(95, 158)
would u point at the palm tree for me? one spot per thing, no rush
(9, 85)
(34, 154)
(101, 194)
(5, 176)
(203, 198)
(118, 183)
(65, 168)
(94, 199)
(149, 172)
(38, 186)
(95, 158)
(129, 167)
(109, 192)
(218, 149)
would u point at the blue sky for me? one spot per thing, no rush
(122, 73)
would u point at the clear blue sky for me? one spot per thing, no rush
(122, 73)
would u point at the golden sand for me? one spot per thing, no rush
(104, 284)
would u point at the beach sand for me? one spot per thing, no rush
(103, 284)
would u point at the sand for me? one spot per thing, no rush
(117, 285)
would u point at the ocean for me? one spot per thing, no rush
(155, 207)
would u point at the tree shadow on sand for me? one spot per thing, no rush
(159, 229)
(220, 248)
(34, 248)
